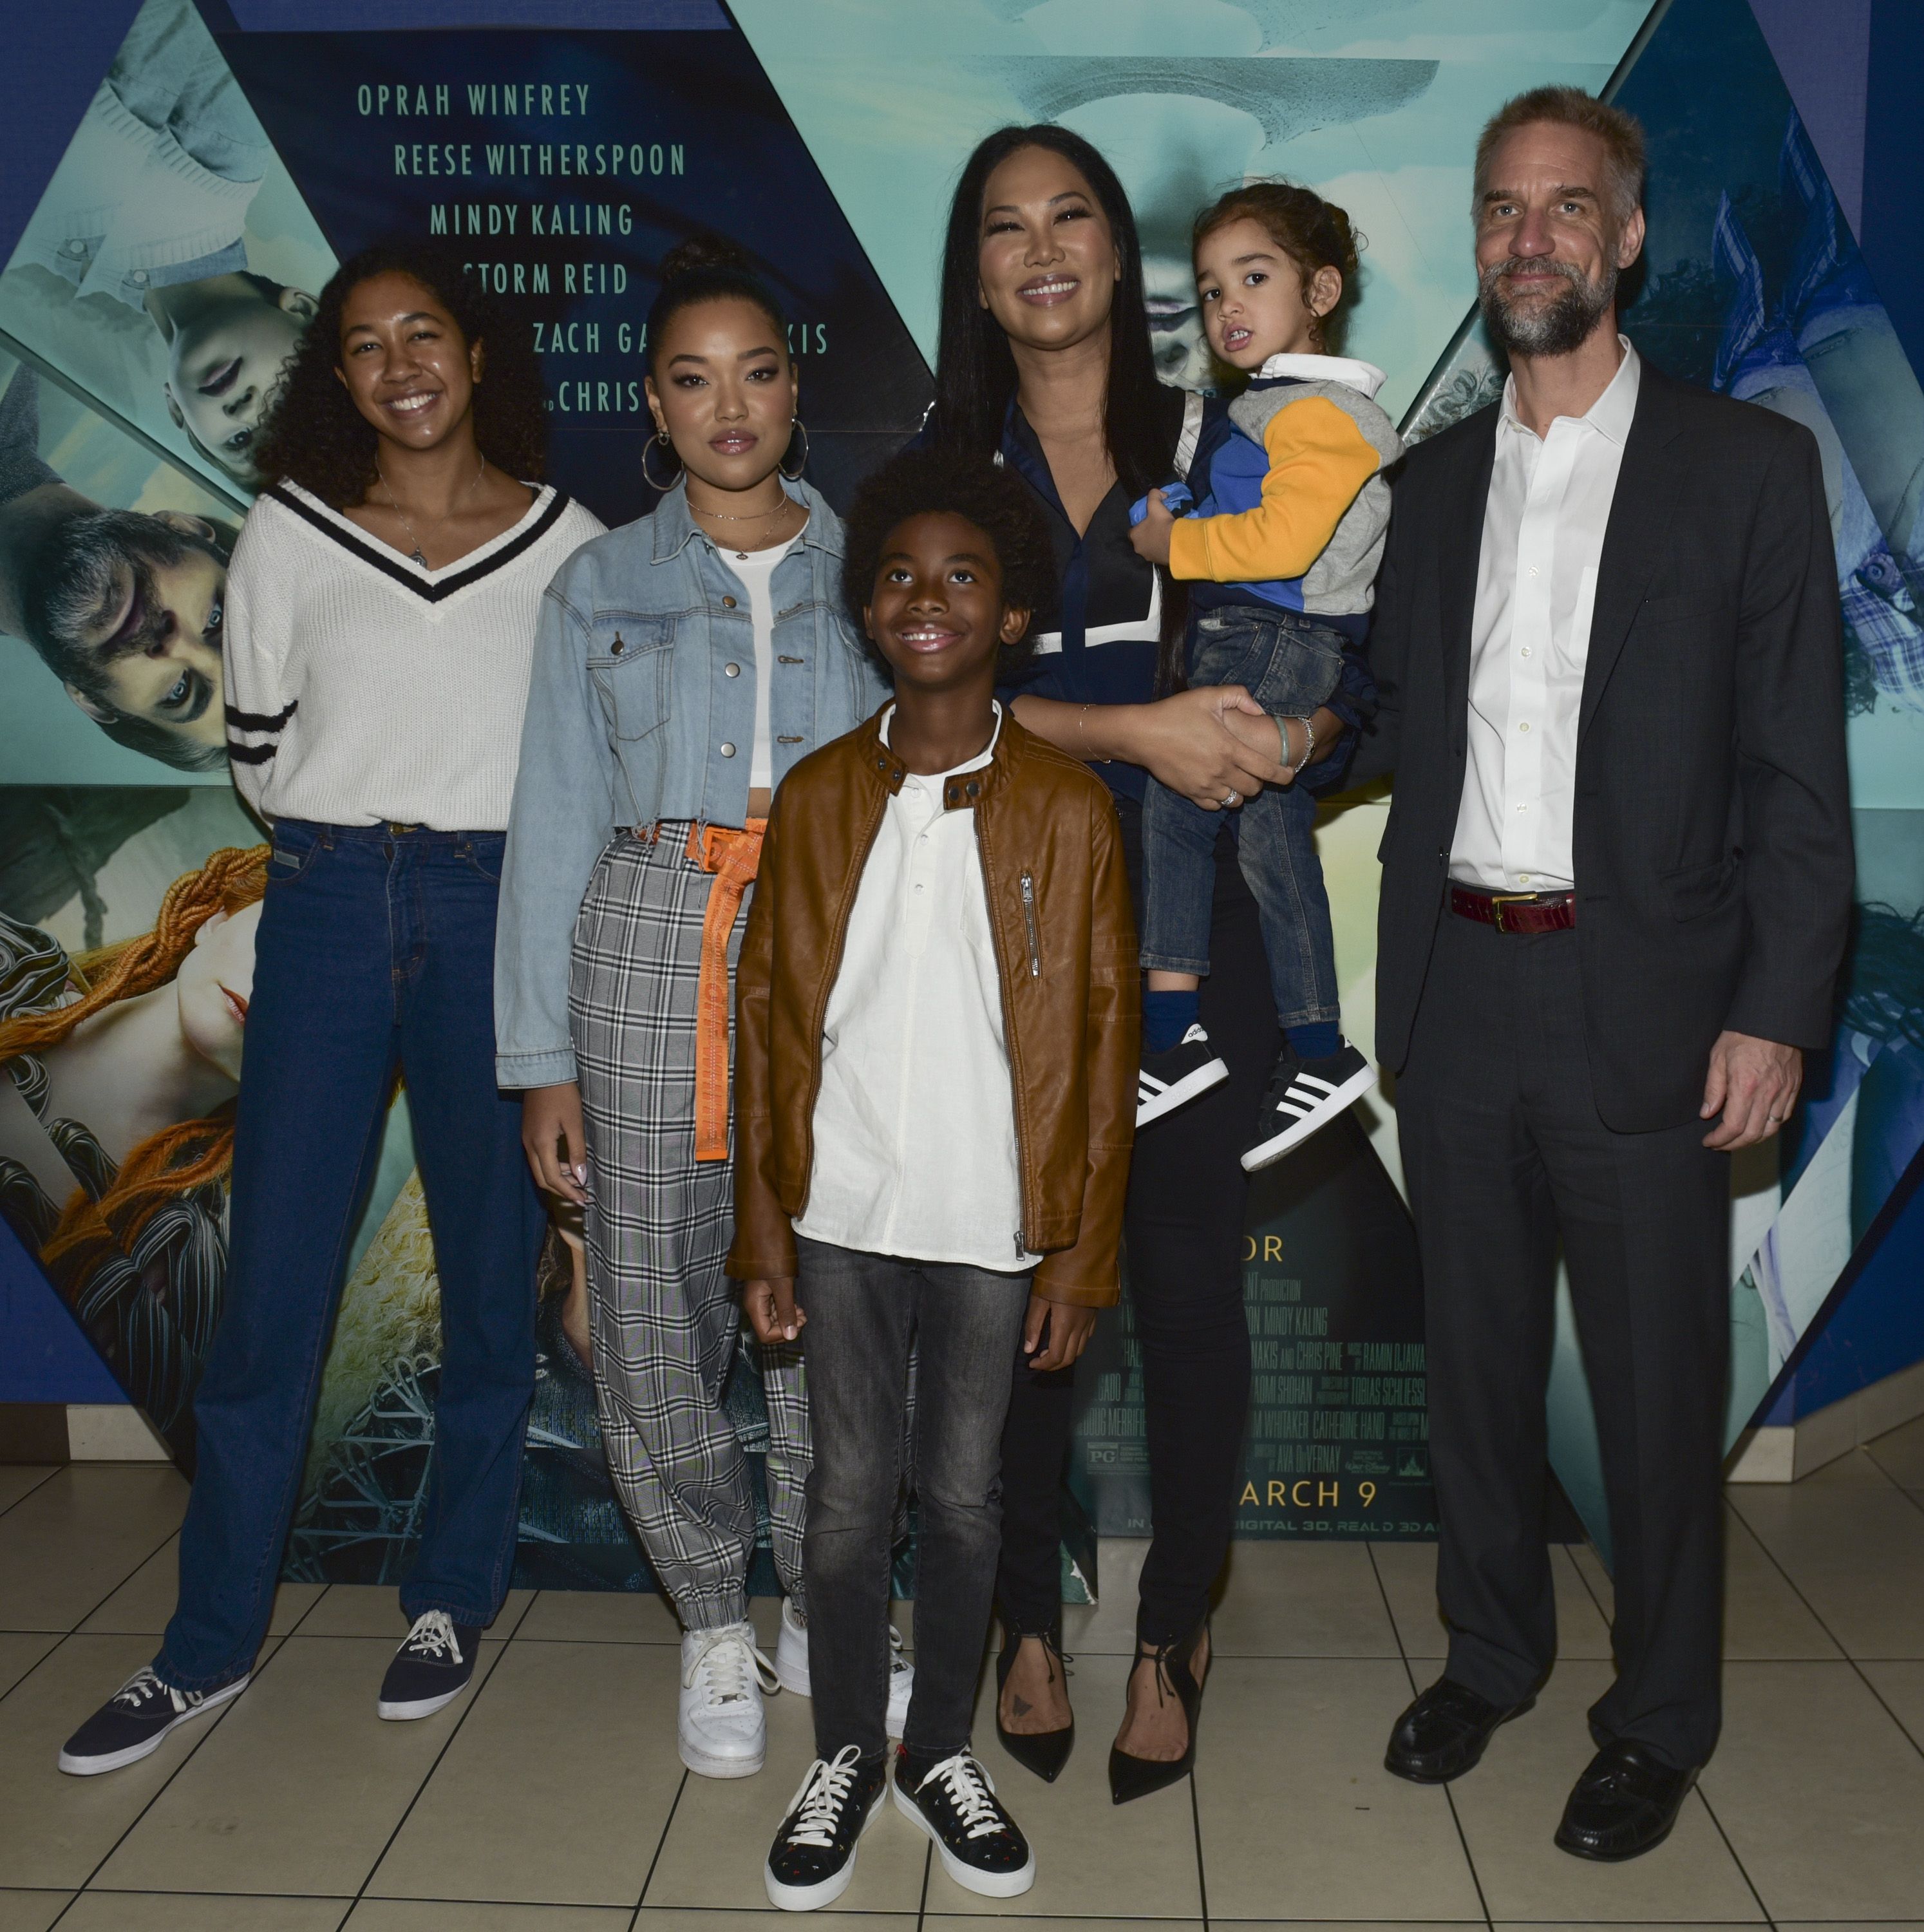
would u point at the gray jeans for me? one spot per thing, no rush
(864, 1312)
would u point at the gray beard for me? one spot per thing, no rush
(1557, 328)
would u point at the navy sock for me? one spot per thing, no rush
(1315, 1042)
(1167, 1017)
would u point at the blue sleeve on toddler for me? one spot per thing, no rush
(1176, 499)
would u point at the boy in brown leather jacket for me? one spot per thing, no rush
(936, 1014)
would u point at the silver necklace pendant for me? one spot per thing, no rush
(418, 558)
(741, 556)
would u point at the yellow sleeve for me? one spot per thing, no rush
(1319, 459)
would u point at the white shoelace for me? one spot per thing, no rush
(143, 1687)
(968, 1787)
(818, 1804)
(728, 1667)
(434, 1638)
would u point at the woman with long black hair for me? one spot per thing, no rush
(379, 626)
(1045, 361)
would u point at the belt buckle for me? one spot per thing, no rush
(1497, 902)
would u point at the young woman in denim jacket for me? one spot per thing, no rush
(685, 663)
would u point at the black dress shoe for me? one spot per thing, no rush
(1624, 1804)
(1445, 1732)
(1043, 1752)
(1174, 1664)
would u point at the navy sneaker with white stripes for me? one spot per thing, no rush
(812, 1857)
(1304, 1097)
(431, 1669)
(980, 1847)
(131, 1723)
(1175, 1076)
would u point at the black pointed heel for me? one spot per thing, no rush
(1043, 1752)
(1173, 1664)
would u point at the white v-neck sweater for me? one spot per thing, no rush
(361, 687)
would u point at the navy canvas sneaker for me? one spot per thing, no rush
(812, 1857)
(432, 1669)
(1172, 1078)
(956, 1804)
(1304, 1097)
(131, 1723)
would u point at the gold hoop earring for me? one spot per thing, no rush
(647, 474)
(800, 429)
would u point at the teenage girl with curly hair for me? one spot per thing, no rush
(380, 622)
(117, 1123)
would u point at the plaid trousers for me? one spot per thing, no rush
(666, 1322)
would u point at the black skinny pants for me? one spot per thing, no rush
(1183, 1229)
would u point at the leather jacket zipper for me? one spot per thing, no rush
(1010, 1037)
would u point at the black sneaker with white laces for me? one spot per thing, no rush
(131, 1723)
(812, 1857)
(1304, 1096)
(431, 1669)
(955, 1803)
(1175, 1076)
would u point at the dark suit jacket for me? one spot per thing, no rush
(1712, 828)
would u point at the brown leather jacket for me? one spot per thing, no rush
(1066, 943)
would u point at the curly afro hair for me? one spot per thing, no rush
(948, 482)
(314, 435)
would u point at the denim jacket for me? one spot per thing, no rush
(642, 707)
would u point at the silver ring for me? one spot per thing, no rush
(1232, 796)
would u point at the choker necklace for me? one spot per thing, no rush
(394, 503)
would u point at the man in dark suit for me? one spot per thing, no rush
(1616, 877)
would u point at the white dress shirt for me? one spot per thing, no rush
(915, 1119)
(1543, 528)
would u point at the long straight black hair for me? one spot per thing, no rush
(975, 372)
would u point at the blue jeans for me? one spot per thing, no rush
(375, 956)
(865, 1311)
(1290, 665)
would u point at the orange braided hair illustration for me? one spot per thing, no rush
(178, 1158)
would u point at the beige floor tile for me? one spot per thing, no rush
(1108, 1628)
(410, 1915)
(1323, 1832)
(599, 1616)
(555, 1788)
(1509, 1806)
(18, 1479)
(20, 1651)
(1900, 1453)
(1820, 1792)
(56, 1828)
(189, 1912)
(937, 1921)
(1901, 1686)
(374, 1609)
(1358, 1925)
(242, 1817)
(1764, 1617)
(1297, 1598)
(1091, 1856)
(1855, 1550)
(76, 1537)
(720, 1831)
(31, 1911)
(1408, 1571)
(1856, 1468)
(676, 1918)
(145, 1601)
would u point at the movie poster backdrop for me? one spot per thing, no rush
(212, 186)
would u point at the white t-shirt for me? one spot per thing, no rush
(755, 569)
(915, 1152)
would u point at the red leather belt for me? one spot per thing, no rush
(1521, 913)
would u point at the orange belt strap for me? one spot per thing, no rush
(733, 857)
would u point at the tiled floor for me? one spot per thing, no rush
(551, 1800)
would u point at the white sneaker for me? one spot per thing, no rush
(791, 1665)
(721, 1730)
